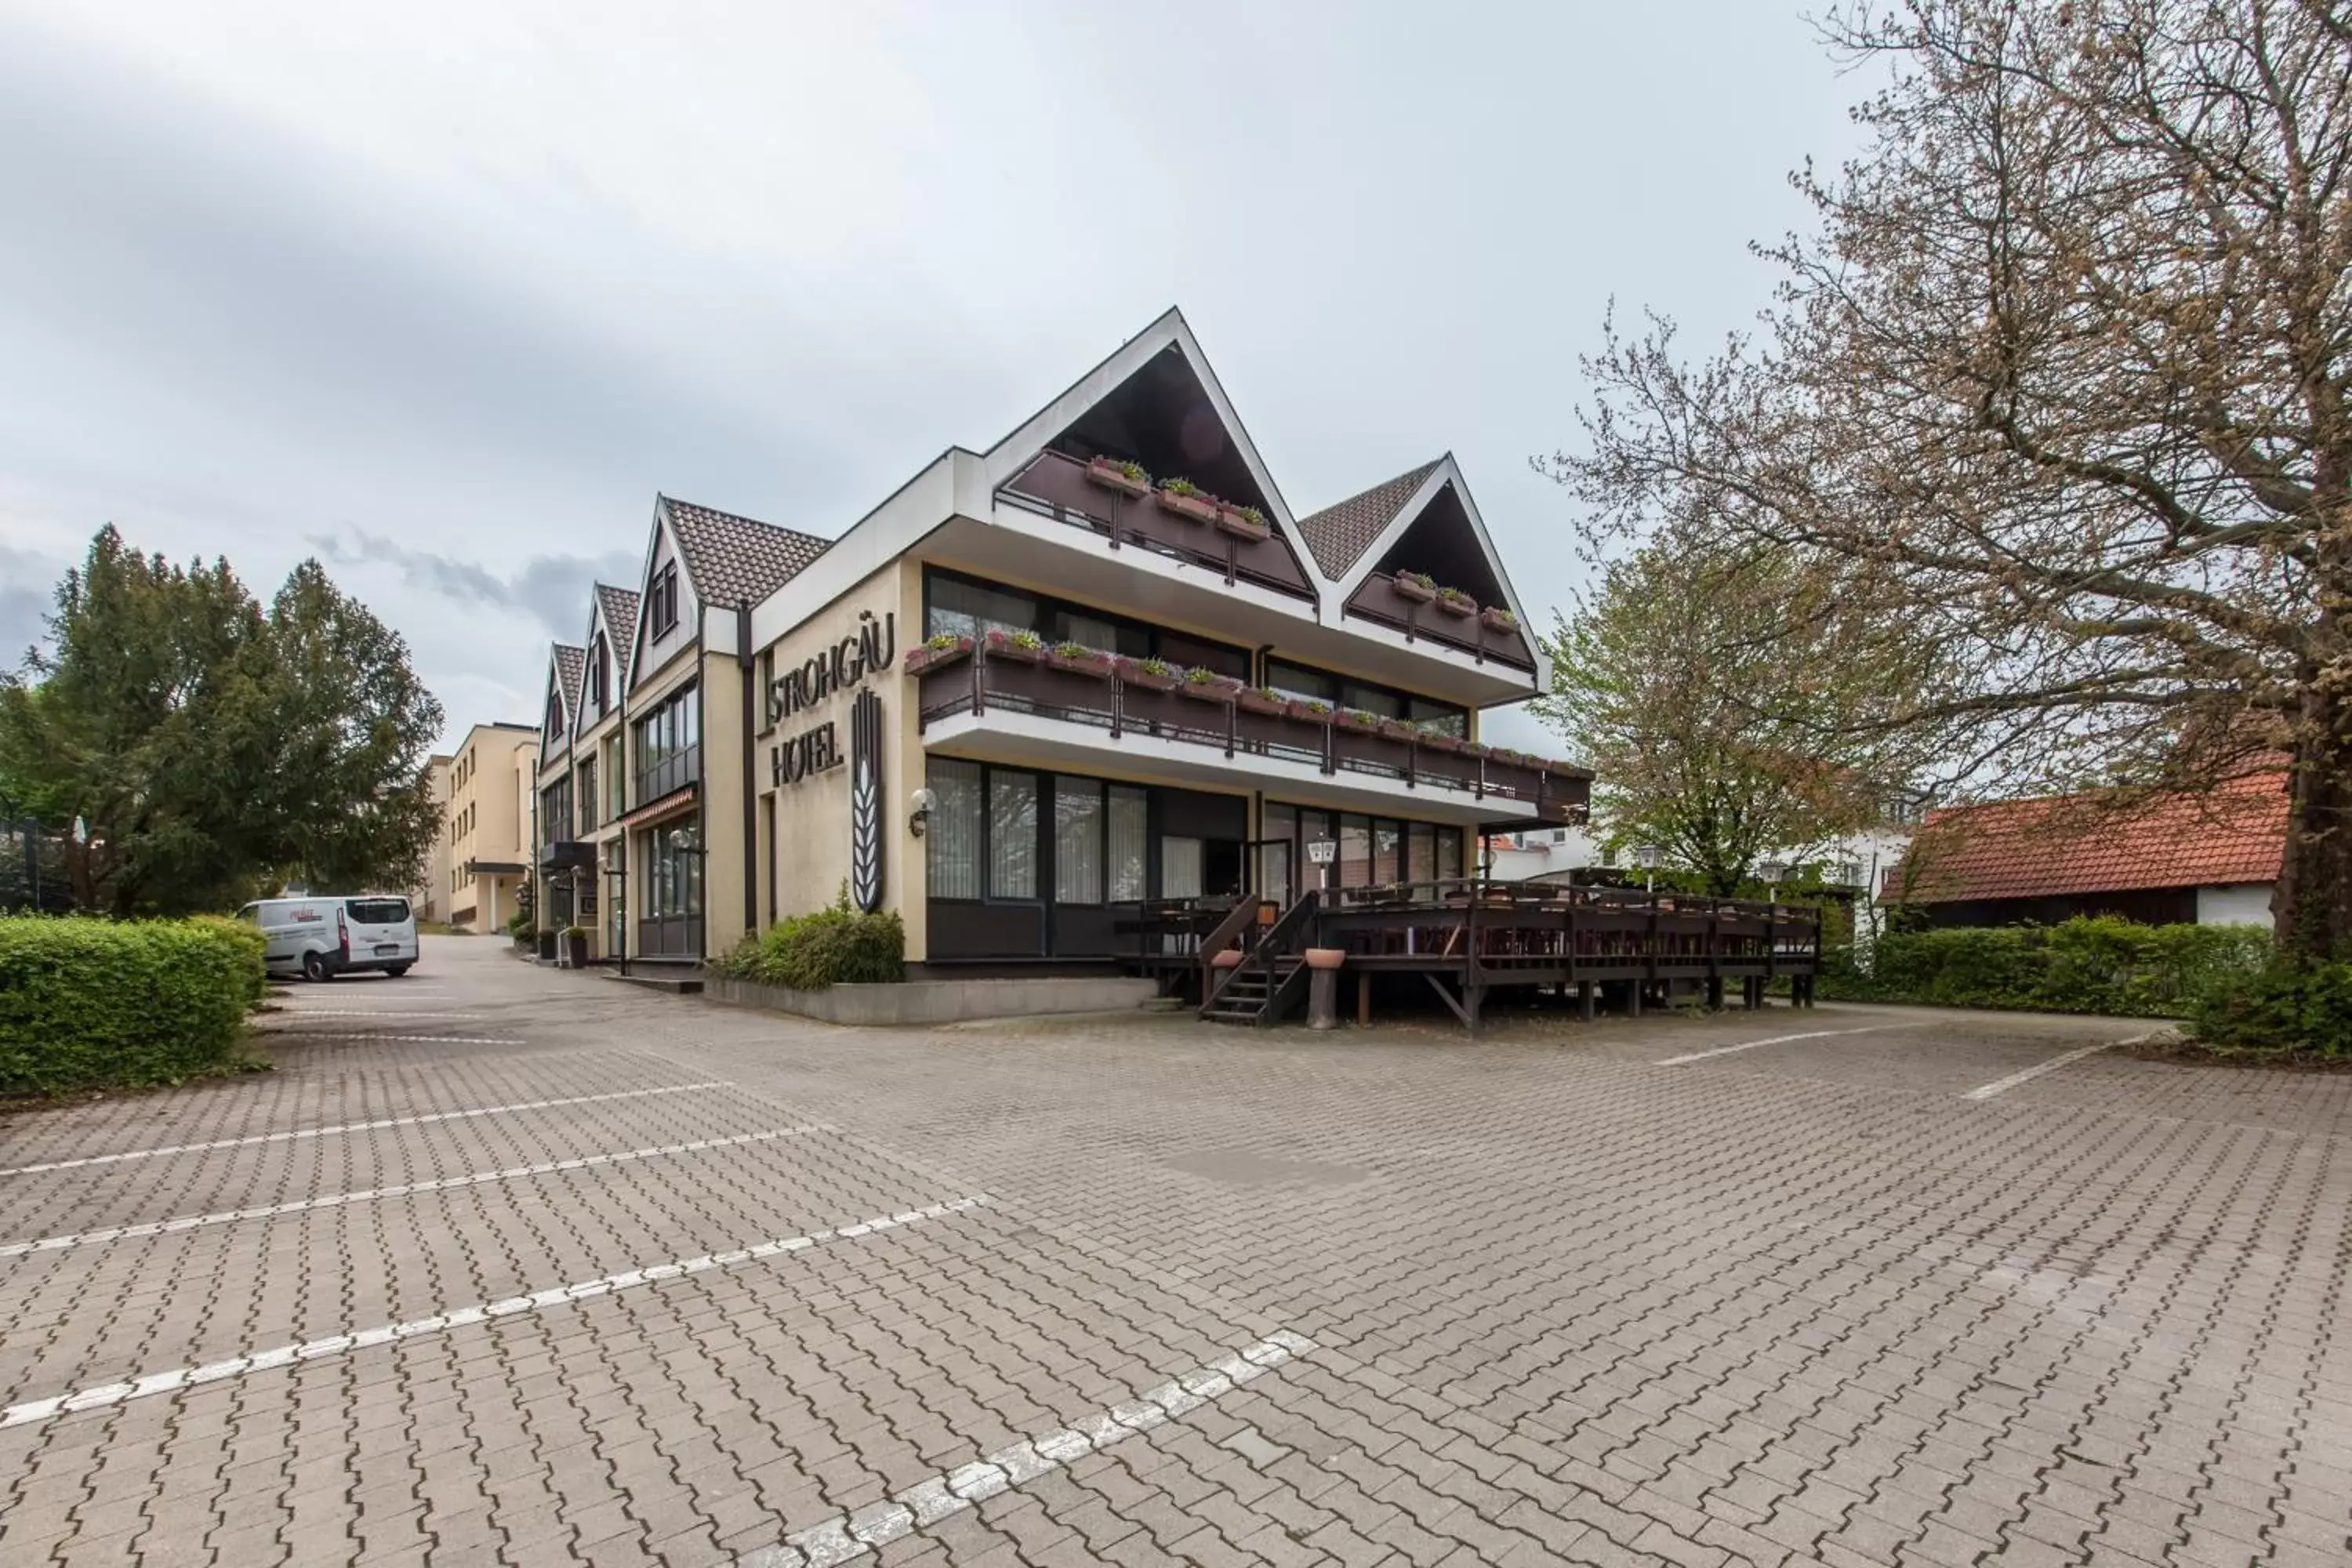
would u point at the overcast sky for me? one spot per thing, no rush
(444, 293)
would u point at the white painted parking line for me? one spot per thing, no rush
(301, 1011)
(927, 1502)
(2001, 1085)
(178, 1378)
(340, 1128)
(407, 1189)
(1780, 1041)
(425, 1039)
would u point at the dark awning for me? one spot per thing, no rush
(567, 855)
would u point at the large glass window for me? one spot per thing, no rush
(1355, 852)
(1420, 852)
(1130, 835)
(965, 608)
(1299, 680)
(1012, 835)
(669, 746)
(1385, 844)
(1077, 840)
(1449, 853)
(951, 843)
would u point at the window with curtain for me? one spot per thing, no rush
(1449, 854)
(1385, 841)
(1355, 852)
(1077, 840)
(1180, 868)
(1420, 852)
(1012, 835)
(1130, 832)
(1372, 699)
(1297, 680)
(972, 610)
(1094, 632)
(1439, 716)
(952, 839)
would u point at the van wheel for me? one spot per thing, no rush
(314, 966)
(397, 970)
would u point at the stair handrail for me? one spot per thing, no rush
(1243, 913)
(1270, 947)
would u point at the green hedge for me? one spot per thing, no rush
(97, 1004)
(2084, 966)
(2305, 1011)
(836, 946)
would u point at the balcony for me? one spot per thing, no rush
(1379, 601)
(1234, 737)
(1057, 487)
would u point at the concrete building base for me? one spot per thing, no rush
(939, 1000)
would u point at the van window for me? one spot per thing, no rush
(377, 911)
(251, 912)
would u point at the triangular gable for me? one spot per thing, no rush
(562, 699)
(1169, 333)
(661, 543)
(1441, 476)
(612, 617)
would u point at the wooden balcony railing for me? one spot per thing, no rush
(1238, 724)
(1057, 487)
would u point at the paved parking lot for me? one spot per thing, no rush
(509, 1267)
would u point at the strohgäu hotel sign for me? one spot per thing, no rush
(857, 658)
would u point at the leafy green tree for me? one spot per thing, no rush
(207, 749)
(1727, 703)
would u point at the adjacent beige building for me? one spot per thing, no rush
(484, 861)
(431, 900)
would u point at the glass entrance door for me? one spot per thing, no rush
(1270, 862)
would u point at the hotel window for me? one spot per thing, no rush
(962, 608)
(615, 781)
(1355, 852)
(1299, 680)
(662, 592)
(1449, 854)
(1077, 840)
(601, 679)
(952, 836)
(1420, 852)
(1012, 835)
(669, 747)
(1130, 832)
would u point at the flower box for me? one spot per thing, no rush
(1412, 585)
(1398, 730)
(1193, 508)
(1001, 646)
(1361, 724)
(1455, 602)
(1496, 618)
(1253, 701)
(1221, 690)
(1437, 740)
(1230, 520)
(1128, 478)
(1310, 712)
(1084, 661)
(923, 655)
(1131, 671)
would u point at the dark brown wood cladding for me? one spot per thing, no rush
(1377, 600)
(1059, 487)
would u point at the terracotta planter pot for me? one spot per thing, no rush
(1101, 471)
(1215, 692)
(1234, 522)
(1407, 588)
(1192, 509)
(1460, 609)
(1325, 957)
(1496, 619)
(1005, 647)
(1133, 673)
(1230, 958)
(1253, 701)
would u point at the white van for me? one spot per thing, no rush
(321, 938)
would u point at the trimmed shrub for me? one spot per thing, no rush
(2306, 1011)
(2105, 964)
(835, 946)
(98, 1003)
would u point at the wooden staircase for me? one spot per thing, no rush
(1256, 997)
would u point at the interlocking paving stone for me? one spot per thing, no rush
(1796, 1303)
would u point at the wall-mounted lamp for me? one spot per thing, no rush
(924, 802)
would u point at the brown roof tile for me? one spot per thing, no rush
(1338, 535)
(736, 562)
(570, 660)
(2062, 845)
(620, 608)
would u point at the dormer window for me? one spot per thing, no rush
(601, 676)
(662, 614)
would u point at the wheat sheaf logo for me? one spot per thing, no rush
(865, 801)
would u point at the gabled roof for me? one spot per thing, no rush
(1338, 535)
(619, 606)
(570, 660)
(736, 562)
(2070, 845)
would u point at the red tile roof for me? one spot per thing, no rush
(569, 662)
(2062, 845)
(736, 562)
(1338, 535)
